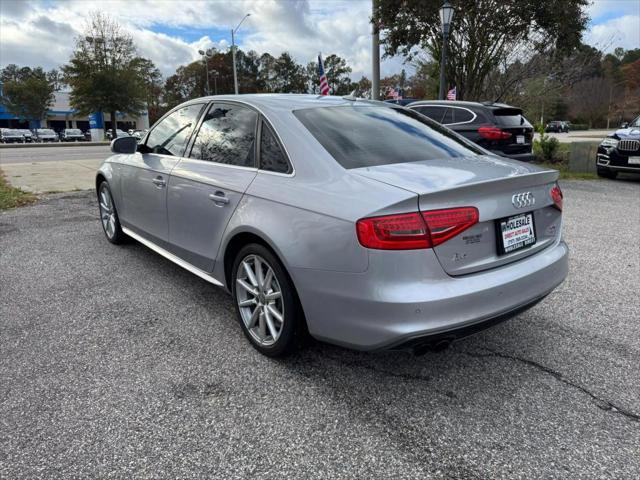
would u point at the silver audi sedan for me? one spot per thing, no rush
(361, 223)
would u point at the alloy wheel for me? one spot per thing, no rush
(107, 212)
(259, 298)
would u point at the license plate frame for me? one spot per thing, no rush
(519, 245)
(633, 160)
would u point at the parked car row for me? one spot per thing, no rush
(42, 135)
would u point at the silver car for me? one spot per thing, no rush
(362, 223)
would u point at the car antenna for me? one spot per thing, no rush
(352, 96)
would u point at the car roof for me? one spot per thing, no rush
(273, 102)
(461, 103)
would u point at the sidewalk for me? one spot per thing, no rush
(56, 176)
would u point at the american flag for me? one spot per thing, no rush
(324, 85)
(451, 94)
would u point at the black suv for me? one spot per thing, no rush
(497, 127)
(620, 151)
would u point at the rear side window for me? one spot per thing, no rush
(448, 117)
(170, 135)
(227, 135)
(434, 113)
(367, 135)
(272, 158)
(510, 117)
(461, 115)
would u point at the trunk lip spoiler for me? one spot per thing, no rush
(525, 179)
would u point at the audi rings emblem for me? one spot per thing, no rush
(522, 200)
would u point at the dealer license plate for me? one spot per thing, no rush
(634, 161)
(515, 233)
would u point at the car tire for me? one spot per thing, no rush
(606, 173)
(109, 215)
(267, 305)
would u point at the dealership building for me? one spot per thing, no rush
(60, 116)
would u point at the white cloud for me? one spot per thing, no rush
(42, 33)
(618, 32)
(38, 33)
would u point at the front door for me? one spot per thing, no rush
(206, 187)
(145, 175)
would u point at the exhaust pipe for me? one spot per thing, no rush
(437, 346)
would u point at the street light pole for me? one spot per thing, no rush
(205, 56)
(446, 14)
(233, 52)
(375, 55)
(215, 81)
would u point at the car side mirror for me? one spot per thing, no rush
(126, 145)
(624, 125)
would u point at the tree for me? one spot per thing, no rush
(484, 33)
(27, 93)
(289, 76)
(105, 73)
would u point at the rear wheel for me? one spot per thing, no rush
(606, 173)
(266, 302)
(109, 215)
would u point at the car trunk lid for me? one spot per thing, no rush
(490, 184)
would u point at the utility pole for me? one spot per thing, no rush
(375, 54)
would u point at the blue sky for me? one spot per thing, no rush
(41, 32)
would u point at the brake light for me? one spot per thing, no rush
(410, 231)
(556, 196)
(447, 223)
(493, 133)
(393, 232)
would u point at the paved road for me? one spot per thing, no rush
(579, 136)
(52, 154)
(116, 363)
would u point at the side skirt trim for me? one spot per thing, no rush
(170, 256)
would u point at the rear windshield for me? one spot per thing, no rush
(73, 131)
(366, 136)
(46, 131)
(510, 117)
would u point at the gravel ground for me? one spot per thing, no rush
(116, 363)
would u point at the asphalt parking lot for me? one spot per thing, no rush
(116, 363)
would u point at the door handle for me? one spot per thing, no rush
(219, 197)
(159, 182)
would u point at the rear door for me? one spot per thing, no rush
(206, 186)
(144, 176)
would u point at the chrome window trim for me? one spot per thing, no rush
(468, 121)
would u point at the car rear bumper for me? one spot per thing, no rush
(406, 296)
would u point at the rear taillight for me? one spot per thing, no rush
(447, 223)
(393, 232)
(493, 133)
(415, 230)
(556, 196)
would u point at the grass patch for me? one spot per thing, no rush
(565, 174)
(11, 197)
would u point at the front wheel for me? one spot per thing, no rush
(266, 301)
(109, 215)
